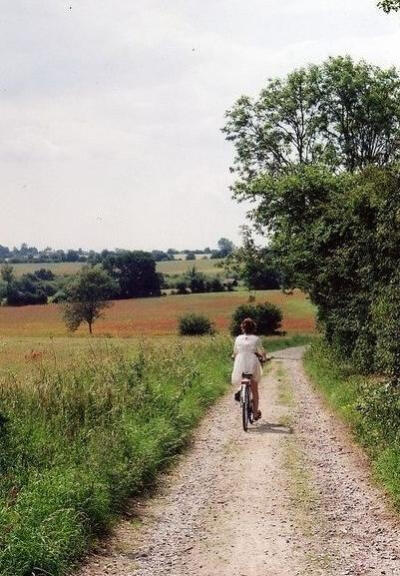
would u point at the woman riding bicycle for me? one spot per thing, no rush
(249, 353)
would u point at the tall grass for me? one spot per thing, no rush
(77, 440)
(371, 406)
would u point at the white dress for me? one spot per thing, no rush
(245, 349)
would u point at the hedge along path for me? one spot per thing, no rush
(291, 497)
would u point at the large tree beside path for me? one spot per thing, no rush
(343, 114)
(318, 155)
(389, 5)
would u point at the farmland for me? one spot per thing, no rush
(156, 316)
(71, 407)
(170, 267)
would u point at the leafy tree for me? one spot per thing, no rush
(72, 256)
(28, 290)
(225, 247)
(215, 285)
(343, 114)
(44, 274)
(337, 237)
(160, 256)
(190, 256)
(254, 265)
(7, 273)
(389, 5)
(135, 273)
(87, 297)
(4, 252)
(196, 281)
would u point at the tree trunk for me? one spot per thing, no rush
(90, 328)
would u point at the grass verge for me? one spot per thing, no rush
(76, 441)
(369, 405)
(274, 343)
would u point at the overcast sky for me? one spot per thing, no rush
(111, 109)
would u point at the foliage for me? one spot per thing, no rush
(386, 323)
(337, 238)
(389, 5)
(225, 247)
(343, 114)
(7, 273)
(196, 281)
(86, 297)
(29, 288)
(370, 406)
(195, 325)
(26, 291)
(160, 256)
(78, 440)
(316, 155)
(255, 266)
(182, 288)
(267, 316)
(135, 273)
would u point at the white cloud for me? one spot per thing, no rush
(111, 110)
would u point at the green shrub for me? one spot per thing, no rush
(386, 321)
(267, 316)
(370, 405)
(195, 325)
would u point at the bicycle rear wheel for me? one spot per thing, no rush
(245, 410)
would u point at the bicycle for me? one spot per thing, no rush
(245, 396)
(246, 401)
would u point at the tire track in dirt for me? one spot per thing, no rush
(291, 497)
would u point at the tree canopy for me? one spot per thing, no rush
(253, 264)
(343, 114)
(225, 247)
(389, 5)
(326, 190)
(87, 297)
(135, 272)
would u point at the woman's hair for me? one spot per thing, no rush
(248, 326)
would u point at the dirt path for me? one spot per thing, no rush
(291, 497)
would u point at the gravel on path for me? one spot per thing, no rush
(291, 497)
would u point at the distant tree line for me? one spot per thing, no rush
(133, 274)
(26, 253)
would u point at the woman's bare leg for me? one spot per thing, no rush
(254, 390)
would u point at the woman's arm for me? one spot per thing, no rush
(260, 350)
(235, 349)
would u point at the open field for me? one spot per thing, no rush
(58, 268)
(168, 268)
(181, 266)
(157, 316)
(26, 355)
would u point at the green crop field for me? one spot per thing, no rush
(169, 267)
(205, 266)
(58, 268)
